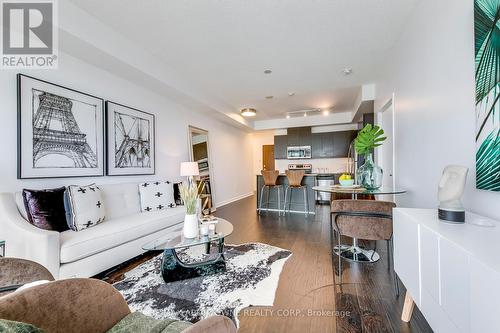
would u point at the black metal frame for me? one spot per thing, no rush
(106, 139)
(390, 243)
(19, 134)
(174, 269)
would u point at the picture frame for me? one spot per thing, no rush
(130, 141)
(60, 131)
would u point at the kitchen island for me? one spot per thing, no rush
(296, 198)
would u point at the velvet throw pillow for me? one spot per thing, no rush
(45, 208)
(84, 206)
(156, 196)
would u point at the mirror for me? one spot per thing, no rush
(200, 152)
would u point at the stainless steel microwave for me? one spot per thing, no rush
(298, 152)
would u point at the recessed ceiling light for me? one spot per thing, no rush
(326, 112)
(347, 71)
(291, 94)
(287, 116)
(248, 112)
(267, 71)
(269, 97)
(305, 114)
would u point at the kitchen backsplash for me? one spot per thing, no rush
(326, 165)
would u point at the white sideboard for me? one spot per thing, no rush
(452, 272)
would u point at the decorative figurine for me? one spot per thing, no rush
(451, 189)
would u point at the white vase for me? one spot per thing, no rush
(190, 226)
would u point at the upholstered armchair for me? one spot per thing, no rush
(15, 272)
(75, 305)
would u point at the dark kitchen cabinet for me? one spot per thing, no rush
(342, 141)
(331, 144)
(299, 136)
(322, 145)
(280, 145)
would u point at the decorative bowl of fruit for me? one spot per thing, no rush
(346, 180)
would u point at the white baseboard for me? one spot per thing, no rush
(227, 202)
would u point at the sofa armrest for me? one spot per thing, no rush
(214, 324)
(25, 241)
(72, 305)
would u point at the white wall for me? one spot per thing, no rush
(431, 72)
(231, 148)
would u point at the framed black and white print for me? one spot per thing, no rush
(130, 141)
(60, 131)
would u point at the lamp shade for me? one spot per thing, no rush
(189, 169)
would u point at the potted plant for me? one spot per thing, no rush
(369, 174)
(189, 195)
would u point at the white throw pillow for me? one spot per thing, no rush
(156, 196)
(84, 206)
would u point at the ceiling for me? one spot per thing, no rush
(223, 46)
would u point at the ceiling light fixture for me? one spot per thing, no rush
(347, 71)
(287, 116)
(248, 112)
(326, 112)
(267, 71)
(291, 94)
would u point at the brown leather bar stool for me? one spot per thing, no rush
(270, 178)
(295, 183)
(364, 219)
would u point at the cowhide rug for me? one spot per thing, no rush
(251, 278)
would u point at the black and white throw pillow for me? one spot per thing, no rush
(84, 206)
(157, 195)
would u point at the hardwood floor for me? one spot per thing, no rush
(306, 299)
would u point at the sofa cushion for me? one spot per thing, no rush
(115, 232)
(45, 208)
(18, 197)
(157, 195)
(84, 206)
(121, 199)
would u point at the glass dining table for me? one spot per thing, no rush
(355, 252)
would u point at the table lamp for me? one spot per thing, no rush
(189, 170)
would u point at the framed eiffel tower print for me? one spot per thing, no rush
(130, 138)
(60, 131)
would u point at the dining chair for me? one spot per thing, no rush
(270, 178)
(364, 219)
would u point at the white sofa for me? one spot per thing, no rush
(85, 253)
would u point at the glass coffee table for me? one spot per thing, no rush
(174, 269)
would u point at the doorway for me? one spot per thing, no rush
(200, 152)
(268, 157)
(386, 154)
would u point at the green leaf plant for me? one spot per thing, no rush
(370, 137)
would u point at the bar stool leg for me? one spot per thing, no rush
(290, 200)
(306, 211)
(279, 200)
(284, 202)
(261, 198)
(268, 195)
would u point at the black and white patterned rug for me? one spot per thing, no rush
(251, 278)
